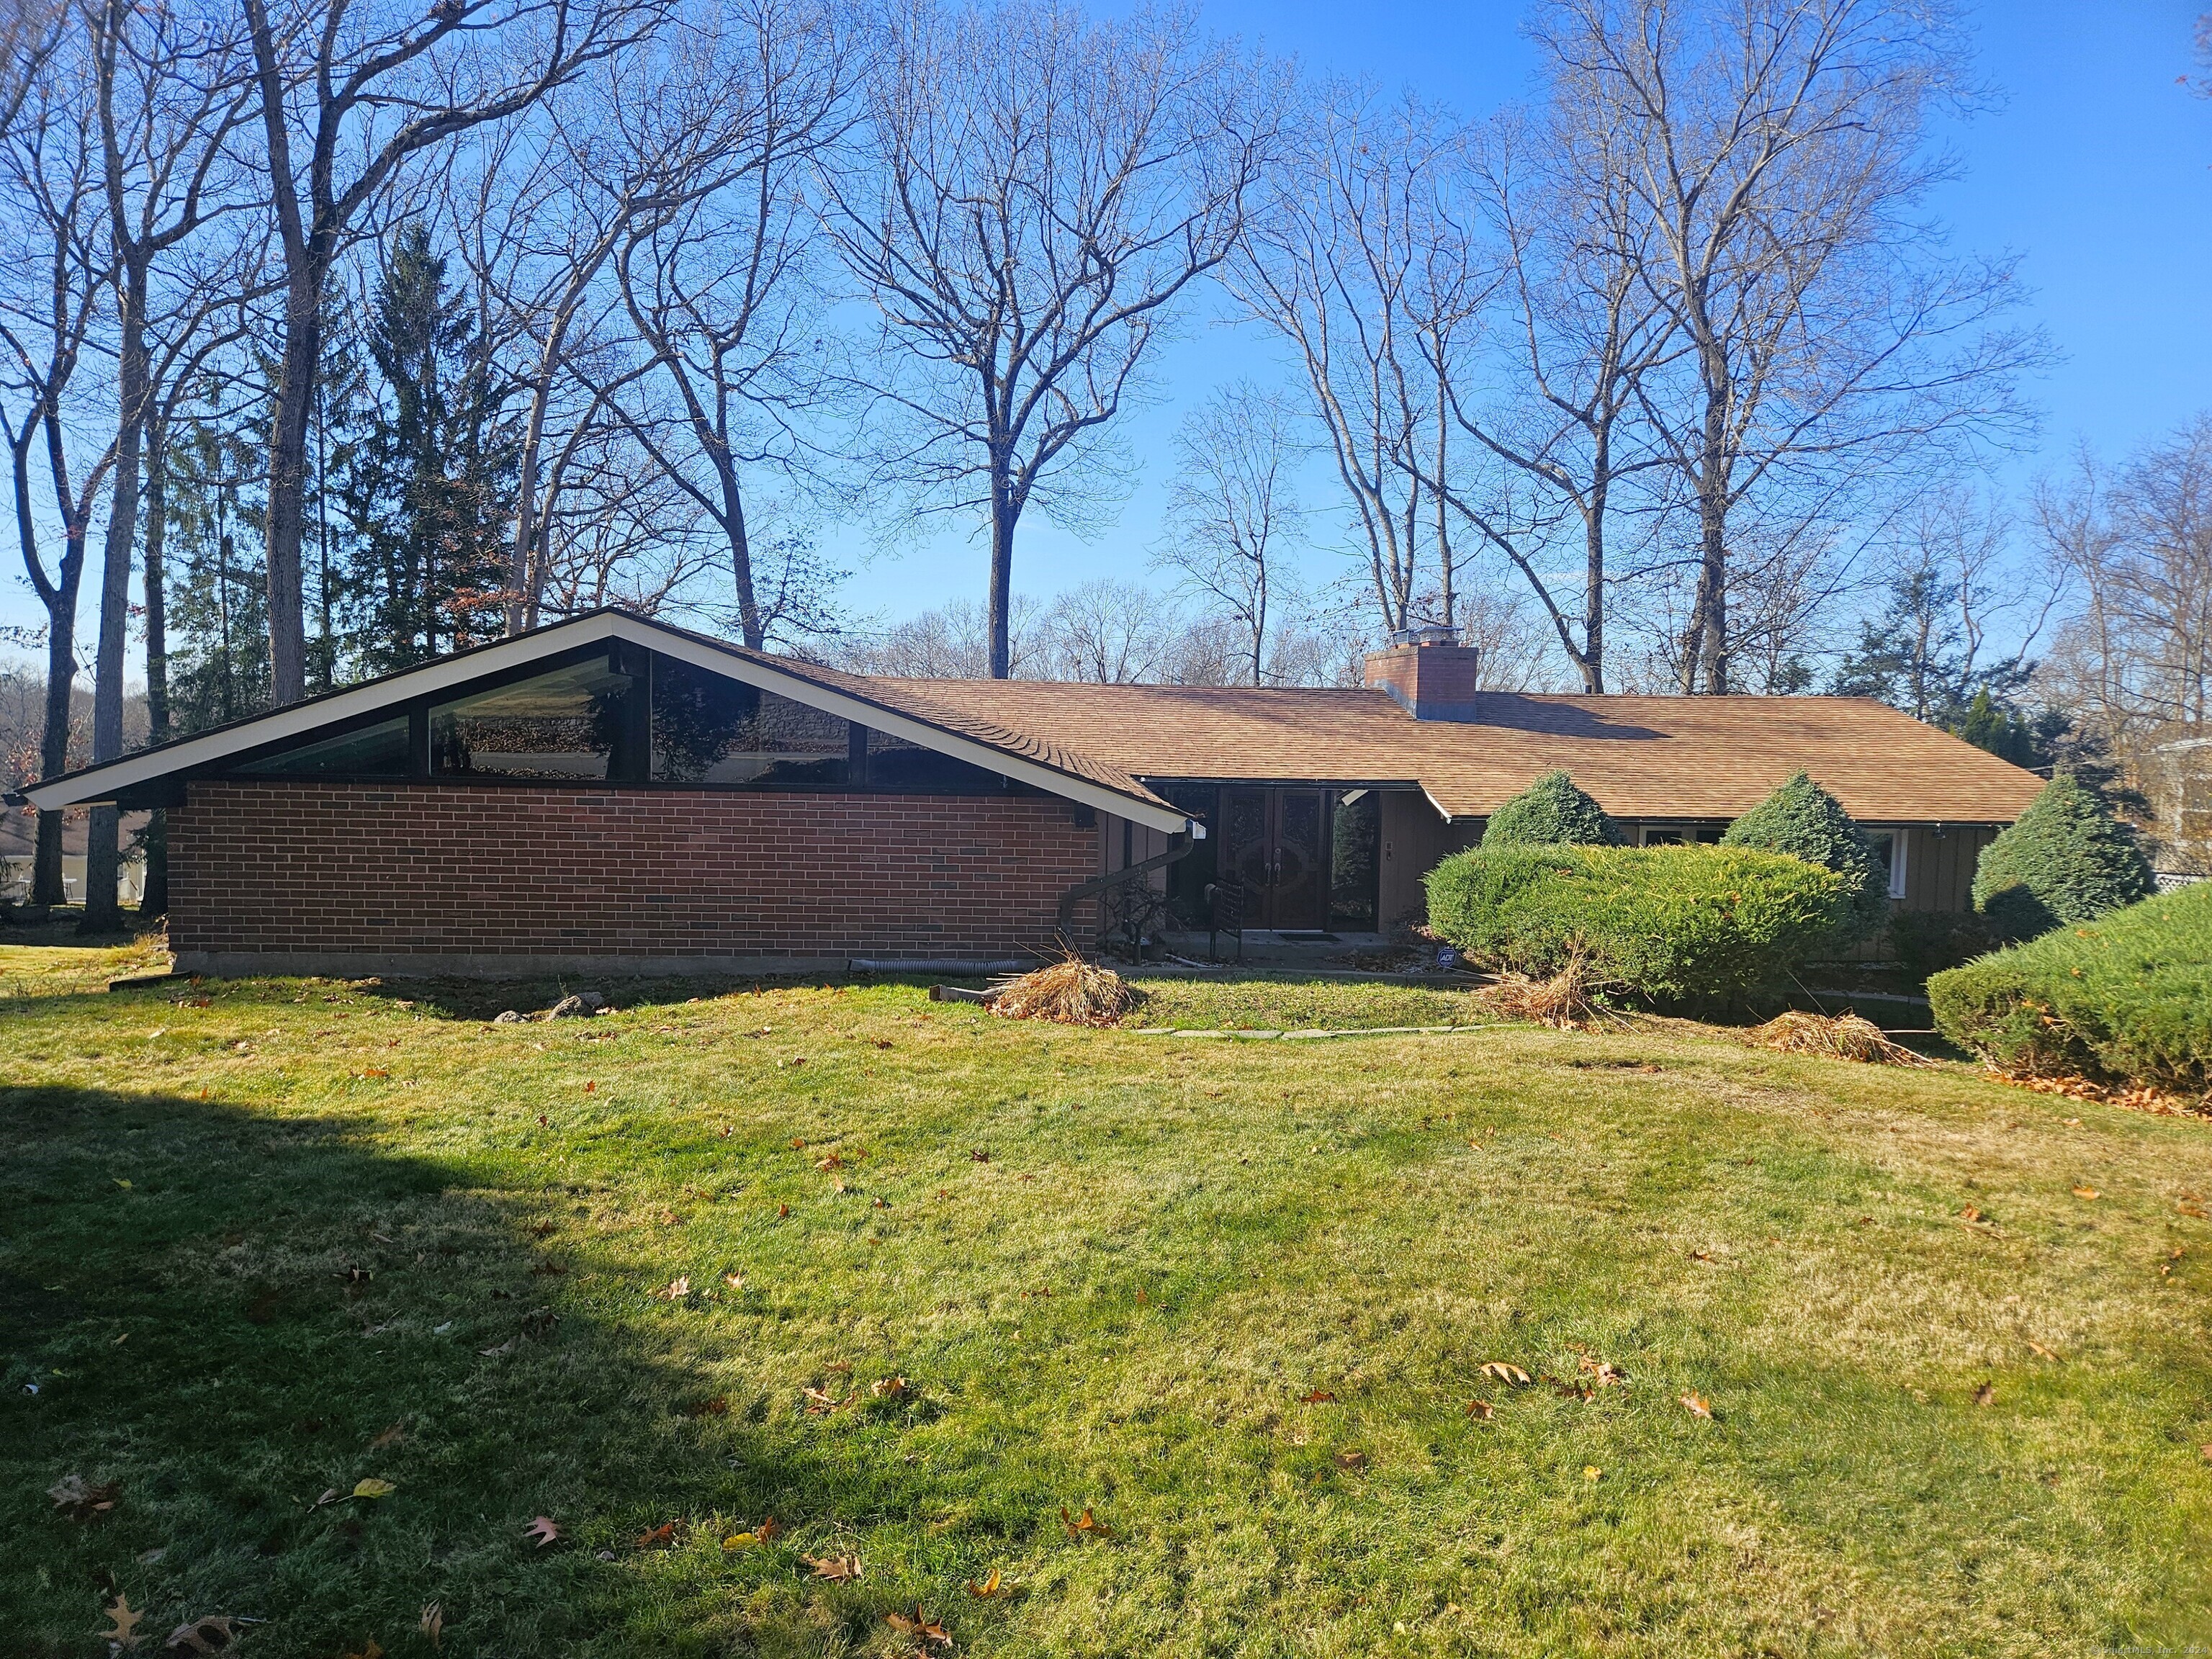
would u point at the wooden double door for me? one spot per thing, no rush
(1275, 842)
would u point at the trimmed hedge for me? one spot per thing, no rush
(2068, 859)
(1549, 812)
(1805, 821)
(2126, 997)
(1674, 923)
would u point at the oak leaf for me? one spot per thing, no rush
(1078, 1525)
(1986, 1395)
(210, 1634)
(1696, 1405)
(391, 1436)
(84, 1500)
(433, 1625)
(919, 1626)
(888, 1387)
(2085, 1192)
(543, 1531)
(837, 1568)
(657, 1538)
(1317, 1397)
(676, 1289)
(1481, 1409)
(2048, 1353)
(1505, 1373)
(990, 1586)
(125, 1619)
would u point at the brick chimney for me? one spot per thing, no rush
(1428, 672)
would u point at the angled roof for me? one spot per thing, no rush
(976, 737)
(1642, 757)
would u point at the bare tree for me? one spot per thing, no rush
(1233, 509)
(58, 270)
(2137, 651)
(358, 87)
(717, 279)
(1110, 633)
(953, 643)
(1777, 151)
(1037, 192)
(1348, 259)
(171, 92)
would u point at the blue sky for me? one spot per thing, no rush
(2091, 163)
(2094, 165)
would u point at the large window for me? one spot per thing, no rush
(1889, 853)
(368, 751)
(565, 724)
(1355, 841)
(708, 728)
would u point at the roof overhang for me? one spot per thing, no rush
(103, 782)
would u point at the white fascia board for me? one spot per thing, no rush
(102, 783)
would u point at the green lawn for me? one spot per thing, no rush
(263, 1240)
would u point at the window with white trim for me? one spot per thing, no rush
(1889, 847)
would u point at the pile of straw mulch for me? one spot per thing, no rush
(1070, 991)
(1839, 1036)
(1566, 1002)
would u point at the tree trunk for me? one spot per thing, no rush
(153, 897)
(1003, 515)
(287, 481)
(103, 851)
(46, 886)
(741, 574)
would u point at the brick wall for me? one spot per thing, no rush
(362, 875)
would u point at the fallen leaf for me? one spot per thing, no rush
(505, 1347)
(377, 1071)
(741, 1541)
(835, 1568)
(1986, 1395)
(1601, 1372)
(677, 1289)
(1503, 1372)
(1352, 1459)
(718, 1406)
(210, 1634)
(658, 1538)
(989, 1588)
(330, 1495)
(1591, 1472)
(2085, 1192)
(769, 1529)
(2197, 1210)
(735, 1281)
(1970, 1213)
(1696, 1405)
(1317, 1397)
(979, 1156)
(888, 1387)
(2048, 1353)
(125, 1618)
(783, 1209)
(391, 1436)
(372, 1487)
(1482, 1410)
(819, 1404)
(1086, 1522)
(920, 1625)
(371, 1649)
(543, 1531)
(83, 1499)
(433, 1625)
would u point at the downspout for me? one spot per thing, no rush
(1179, 847)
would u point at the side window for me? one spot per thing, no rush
(895, 763)
(708, 728)
(1889, 853)
(368, 751)
(563, 724)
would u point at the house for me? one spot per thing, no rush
(613, 793)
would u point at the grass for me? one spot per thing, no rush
(261, 1241)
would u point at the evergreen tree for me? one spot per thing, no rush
(218, 591)
(1804, 820)
(2068, 860)
(430, 487)
(1550, 809)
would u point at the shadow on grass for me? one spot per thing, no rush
(234, 1314)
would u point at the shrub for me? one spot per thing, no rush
(1549, 812)
(1927, 942)
(2126, 997)
(1674, 923)
(2067, 860)
(1805, 821)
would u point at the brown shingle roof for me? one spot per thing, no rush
(1642, 757)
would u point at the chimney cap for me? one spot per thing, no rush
(1428, 635)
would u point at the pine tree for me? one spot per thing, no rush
(1804, 820)
(2068, 860)
(429, 490)
(1550, 809)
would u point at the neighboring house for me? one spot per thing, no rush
(612, 793)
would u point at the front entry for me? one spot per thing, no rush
(1275, 842)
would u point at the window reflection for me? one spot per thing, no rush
(707, 728)
(564, 724)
